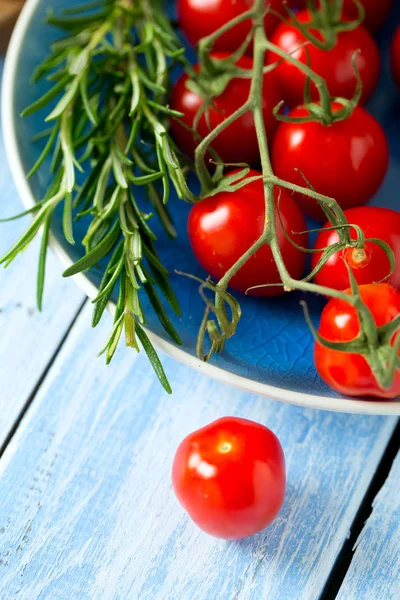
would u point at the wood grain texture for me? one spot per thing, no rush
(375, 569)
(9, 11)
(28, 339)
(87, 510)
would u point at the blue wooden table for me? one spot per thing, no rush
(86, 505)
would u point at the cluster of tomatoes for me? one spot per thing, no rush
(230, 475)
(346, 160)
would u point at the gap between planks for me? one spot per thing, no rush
(41, 379)
(346, 555)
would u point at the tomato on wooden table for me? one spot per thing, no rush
(371, 264)
(199, 18)
(395, 56)
(346, 161)
(349, 373)
(223, 227)
(238, 142)
(230, 477)
(335, 65)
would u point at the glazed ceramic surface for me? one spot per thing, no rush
(272, 352)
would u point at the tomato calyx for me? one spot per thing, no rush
(326, 22)
(230, 182)
(372, 342)
(356, 251)
(214, 75)
(379, 345)
(326, 111)
(321, 30)
(358, 258)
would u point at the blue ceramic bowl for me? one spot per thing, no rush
(271, 354)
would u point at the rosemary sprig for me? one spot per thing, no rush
(107, 107)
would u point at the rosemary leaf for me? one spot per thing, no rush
(45, 152)
(42, 263)
(47, 97)
(160, 311)
(93, 257)
(153, 357)
(67, 219)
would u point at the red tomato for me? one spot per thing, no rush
(346, 161)
(349, 373)
(238, 142)
(224, 226)
(199, 18)
(395, 56)
(230, 477)
(376, 12)
(335, 65)
(371, 264)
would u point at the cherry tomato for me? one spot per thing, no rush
(346, 372)
(199, 18)
(230, 477)
(224, 226)
(335, 65)
(395, 56)
(369, 265)
(346, 161)
(238, 142)
(376, 12)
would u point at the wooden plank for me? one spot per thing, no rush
(28, 339)
(87, 510)
(374, 572)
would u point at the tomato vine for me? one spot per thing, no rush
(382, 358)
(113, 69)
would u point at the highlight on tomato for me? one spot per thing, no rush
(369, 264)
(199, 18)
(335, 65)
(230, 477)
(224, 226)
(346, 161)
(395, 56)
(346, 372)
(238, 142)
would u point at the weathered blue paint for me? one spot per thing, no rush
(27, 339)
(87, 510)
(375, 570)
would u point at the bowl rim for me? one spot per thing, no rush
(344, 405)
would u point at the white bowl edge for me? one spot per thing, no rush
(299, 398)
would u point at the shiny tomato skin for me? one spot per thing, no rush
(395, 56)
(348, 373)
(346, 161)
(238, 142)
(335, 65)
(199, 18)
(376, 222)
(222, 227)
(230, 477)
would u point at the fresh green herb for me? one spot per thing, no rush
(107, 107)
